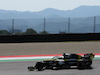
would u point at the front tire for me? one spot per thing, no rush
(39, 66)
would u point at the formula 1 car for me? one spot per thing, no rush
(65, 62)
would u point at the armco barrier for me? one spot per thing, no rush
(48, 38)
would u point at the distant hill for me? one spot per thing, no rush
(82, 11)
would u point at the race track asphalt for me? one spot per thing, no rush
(20, 68)
(9, 49)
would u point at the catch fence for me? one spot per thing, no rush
(50, 25)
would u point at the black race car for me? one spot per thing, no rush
(65, 62)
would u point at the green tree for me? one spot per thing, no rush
(4, 32)
(44, 32)
(18, 33)
(30, 31)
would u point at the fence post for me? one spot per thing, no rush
(44, 24)
(69, 25)
(94, 23)
(12, 26)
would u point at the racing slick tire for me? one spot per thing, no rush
(81, 65)
(88, 64)
(87, 61)
(39, 66)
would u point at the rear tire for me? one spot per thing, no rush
(81, 65)
(88, 64)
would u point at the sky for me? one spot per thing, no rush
(38, 5)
